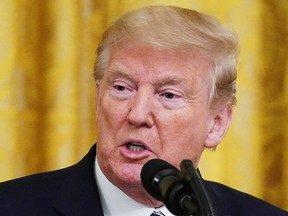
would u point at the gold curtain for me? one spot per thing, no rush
(47, 120)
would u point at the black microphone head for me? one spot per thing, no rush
(151, 174)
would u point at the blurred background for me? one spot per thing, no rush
(47, 119)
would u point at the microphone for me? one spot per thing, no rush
(166, 183)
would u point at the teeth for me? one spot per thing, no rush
(135, 147)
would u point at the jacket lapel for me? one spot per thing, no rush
(79, 194)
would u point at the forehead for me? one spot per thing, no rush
(163, 64)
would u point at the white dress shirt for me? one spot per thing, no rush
(115, 202)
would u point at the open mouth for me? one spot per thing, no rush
(135, 147)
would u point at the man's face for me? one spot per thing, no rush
(151, 104)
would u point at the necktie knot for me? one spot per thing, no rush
(157, 213)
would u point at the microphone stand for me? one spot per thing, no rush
(191, 175)
(182, 191)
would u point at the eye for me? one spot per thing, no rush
(172, 98)
(169, 95)
(119, 87)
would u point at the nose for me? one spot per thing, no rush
(140, 113)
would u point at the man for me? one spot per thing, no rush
(165, 79)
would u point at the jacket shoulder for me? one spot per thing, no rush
(68, 191)
(35, 192)
(228, 201)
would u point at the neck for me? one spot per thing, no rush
(141, 196)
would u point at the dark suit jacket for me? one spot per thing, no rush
(73, 191)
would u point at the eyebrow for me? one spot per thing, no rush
(112, 73)
(117, 72)
(172, 80)
(164, 80)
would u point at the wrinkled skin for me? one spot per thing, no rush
(154, 104)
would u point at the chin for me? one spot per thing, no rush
(129, 175)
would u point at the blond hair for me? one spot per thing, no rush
(170, 27)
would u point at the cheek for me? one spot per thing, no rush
(111, 112)
(110, 117)
(184, 138)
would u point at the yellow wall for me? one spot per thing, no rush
(47, 120)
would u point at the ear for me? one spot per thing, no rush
(219, 127)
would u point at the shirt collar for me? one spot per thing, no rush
(115, 202)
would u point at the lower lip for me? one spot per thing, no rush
(134, 154)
